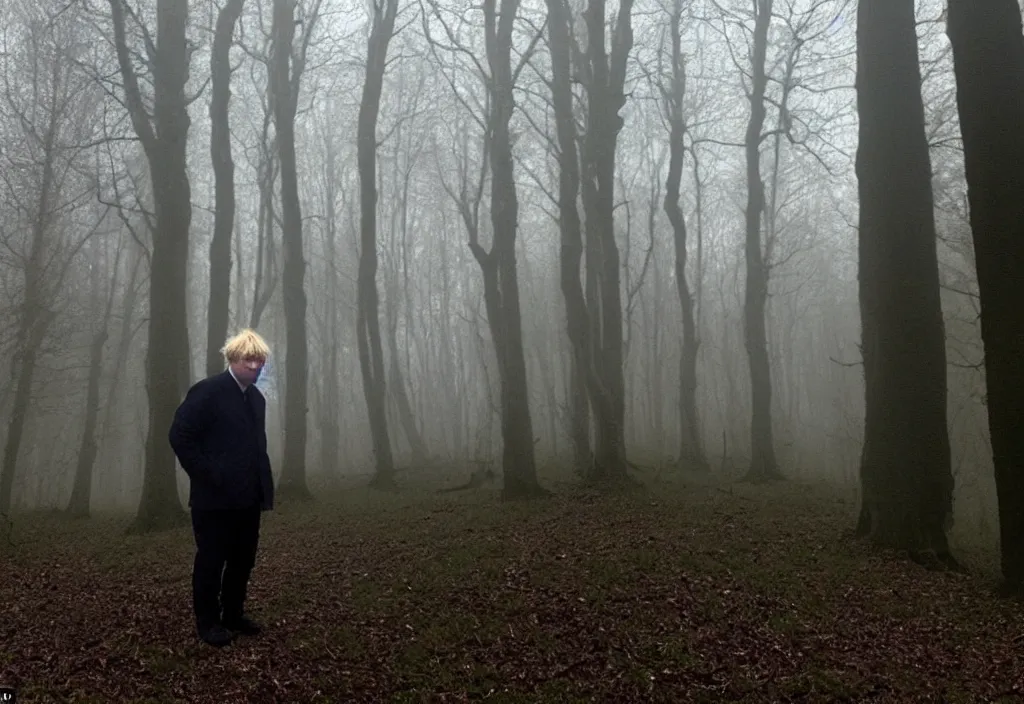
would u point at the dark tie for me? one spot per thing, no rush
(247, 399)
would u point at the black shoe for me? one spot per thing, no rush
(243, 625)
(215, 635)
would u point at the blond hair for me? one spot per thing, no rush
(247, 344)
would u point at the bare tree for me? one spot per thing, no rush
(266, 164)
(81, 492)
(337, 199)
(53, 106)
(584, 378)
(594, 314)
(603, 76)
(499, 268)
(763, 464)
(408, 148)
(769, 73)
(498, 264)
(371, 353)
(691, 449)
(905, 465)
(163, 138)
(224, 175)
(286, 68)
(988, 55)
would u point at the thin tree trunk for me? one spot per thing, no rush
(371, 353)
(285, 75)
(330, 426)
(32, 338)
(763, 464)
(399, 392)
(81, 492)
(224, 184)
(265, 279)
(604, 86)
(34, 317)
(501, 280)
(594, 317)
(265, 266)
(126, 334)
(691, 449)
(403, 406)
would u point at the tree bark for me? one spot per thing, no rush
(582, 378)
(905, 465)
(34, 316)
(265, 275)
(330, 413)
(164, 141)
(403, 407)
(399, 391)
(593, 312)
(285, 75)
(579, 417)
(501, 282)
(763, 464)
(691, 449)
(604, 80)
(81, 492)
(125, 336)
(371, 353)
(224, 186)
(988, 56)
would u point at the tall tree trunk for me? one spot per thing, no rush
(330, 422)
(691, 450)
(594, 312)
(30, 341)
(371, 353)
(126, 334)
(604, 81)
(81, 492)
(399, 392)
(285, 76)
(654, 376)
(34, 317)
(501, 280)
(403, 406)
(763, 465)
(905, 466)
(224, 184)
(988, 56)
(265, 266)
(579, 417)
(164, 140)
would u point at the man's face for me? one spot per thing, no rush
(248, 371)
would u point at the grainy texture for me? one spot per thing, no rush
(675, 593)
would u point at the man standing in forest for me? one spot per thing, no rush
(219, 436)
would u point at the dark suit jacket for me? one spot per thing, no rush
(222, 445)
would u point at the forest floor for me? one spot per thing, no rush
(680, 591)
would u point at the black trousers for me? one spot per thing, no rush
(226, 542)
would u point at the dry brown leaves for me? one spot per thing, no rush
(680, 594)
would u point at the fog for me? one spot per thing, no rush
(77, 216)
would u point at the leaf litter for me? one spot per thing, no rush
(698, 595)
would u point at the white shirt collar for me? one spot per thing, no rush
(242, 386)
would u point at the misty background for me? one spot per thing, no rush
(78, 213)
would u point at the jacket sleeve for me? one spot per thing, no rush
(191, 421)
(264, 455)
